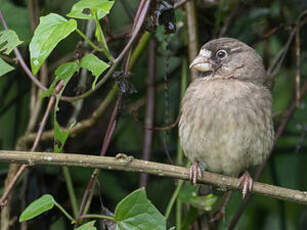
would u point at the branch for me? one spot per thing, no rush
(125, 163)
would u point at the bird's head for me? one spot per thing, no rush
(228, 58)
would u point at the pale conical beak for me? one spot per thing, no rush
(201, 64)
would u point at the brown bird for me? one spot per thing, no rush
(226, 117)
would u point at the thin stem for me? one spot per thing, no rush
(90, 187)
(184, 81)
(102, 40)
(150, 107)
(173, 199)
(21, 61)
(71, 191)
(96, 216)
(88, 40)
(139, 48)
(65, 212)
(91, 91)
(191, 31)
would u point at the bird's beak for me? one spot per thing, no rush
(202, 64)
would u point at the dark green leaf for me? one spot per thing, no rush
(8, 41)
(87, 226)
(4, 67)
(37, 207)
(95, 65)
(79, 9)
(60, 136)
(13, 13)
(51, 30)
(189, 194)
(136, 212)
(63, 72)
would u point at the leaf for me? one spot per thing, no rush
(8, 41)
(95, 65)
(188, 194)
(51, 30)
(63, 72)
(87, 226)
(37, 207)
(13, 14)
(136, 212)
(60, 136)
(4, 67)
(80, 9)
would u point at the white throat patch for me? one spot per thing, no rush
(205, 53)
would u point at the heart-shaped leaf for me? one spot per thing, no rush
(83, 8)
(95, 65)
(87, 226)
(8, 41)
(63, 72)
(4, 67)
(136, 212)
(37, 207)
(51, 30)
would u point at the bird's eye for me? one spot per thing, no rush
(221, 54)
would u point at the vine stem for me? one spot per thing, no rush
(21, 61)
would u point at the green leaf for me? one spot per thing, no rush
(87, 226)
(51, 30)
(37, 207)
(63, 72)
(95, 65)
(13, 15)
(4, 67)
(60, 136)
(188, 194)
(80, 9)
(136, 212)
(8, 41)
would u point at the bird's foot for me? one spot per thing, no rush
(195, 172)
(246, 182)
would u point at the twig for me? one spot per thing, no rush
(159, 169)
(298, 65)
(150, 107)
(192, 34)
(21, 61)
(179, 3)
(86, 199)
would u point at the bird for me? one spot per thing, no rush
(226, 121)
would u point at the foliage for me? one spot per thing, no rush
(134, 212)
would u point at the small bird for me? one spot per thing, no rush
(226, 115)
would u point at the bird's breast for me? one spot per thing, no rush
(226, 124)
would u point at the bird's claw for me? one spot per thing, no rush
(195, 172)
(246, 182)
